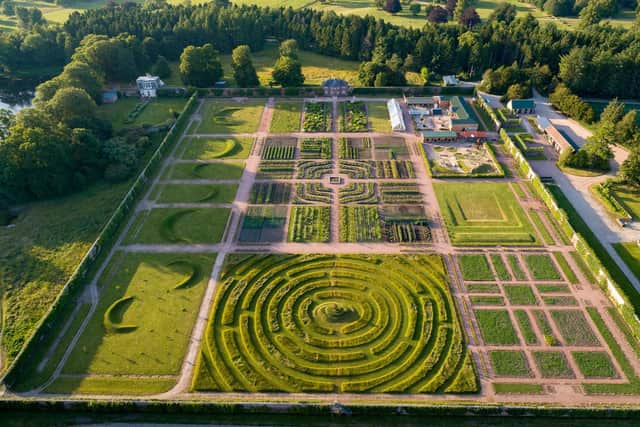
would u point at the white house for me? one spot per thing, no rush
(450, 80)
(148, 85)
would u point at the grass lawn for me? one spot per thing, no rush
(487, 300)
(552, 364)
(475, 267)
(574, 328)
(481, 288)
(228, 116)
(629, 197)
(157, 111)
(566, 268)
(130, 337)
(195, 193)
(216, 148)
(517, 388)
(501, 269)
(42, 250)
(496, 327)
(630, 253)
(594, 364)
(541, 267)
(110, 385)
(178, 226)
(286, 116)
(378, 117)
(509, 363)
(520, 295)
(204, 171)
(316, 68)
(483, 214)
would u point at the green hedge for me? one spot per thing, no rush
(603, 193)
(630, 305)
(53, 320)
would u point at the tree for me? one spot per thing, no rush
(415, 9)
(627, 131)
(613, 112)
(7, 119)
(504, 12)
(289, 48)
(518, 91)
(469, 18)
(199, 66)
(459, 9)
(438, 15)
(559, 7)
(244, 72)
(287, 72)
(393, 6)
(424, 74)
(630, 168)
(73, 107)
(161, 67)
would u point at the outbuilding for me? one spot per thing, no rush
(522, 106)
(148, 85)
(336, 87)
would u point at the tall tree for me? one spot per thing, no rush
(287, 72)
(199, 66)
(244, 72)
(393, 6)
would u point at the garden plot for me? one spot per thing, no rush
(316, 148)
(358, 193)
(353, 116)
(178, 226)
(238, 115)
(279, 149)
(317, 117)
(327, 323)
(354, 149)
(146, 302)
(405, 224)
(394, 169)
(310, 169)
(484, 214)
(276, 169)
(360, 224)
(208, 171)
(356, 169)
(461, 159)
(378, 113)
(400, 193)
(216, 148)
(263, 224)
(312, 192)
(286, 116)
(194, 193)
(309, 224)
(270, 193)
(390, 148)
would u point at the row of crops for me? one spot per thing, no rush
(270, 193)
(317, 117)
(354, 148)
(394, 169)
(276, 169)
(359, 224)
(279, 152)
(310, 224)
(353, 117)
(400, 193)
(316, 148)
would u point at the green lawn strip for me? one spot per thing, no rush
(520, 295)
(178, 226)
(486, 214)
(525, 327)
(594, 364)
(309, 224)
(634, 342)
(510, 363)
(481, 288)
(517, 388)
(633, 387)
(516, 267)
(378, 117)
(39, 377)
(564, 300)
(230, 116)
(586, 272)
(286, 116)
(554, 288)
(542, 228)
(554, 223)
(500, 268)
(552, 364)
(156, 111)
(487, 300)
(517, 189)
(566, 268)
(545, 327)
(630, 254)
(216, 148)
(204, 171)
(541, 267)
(475, 267)
(110, 385)
(581, 227)
(195, 193)
(574, 328)
(165, 292)
(496, 327)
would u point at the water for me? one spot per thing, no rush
(16, 95)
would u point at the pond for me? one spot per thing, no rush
(16, 94)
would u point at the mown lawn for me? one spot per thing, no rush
(156, 112)
(195, 193)
(594, 364)
(286, 116)
(228, 116)
(630, 253)
(204, 171)
(216, 148)
(378, 117)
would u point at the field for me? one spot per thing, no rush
(334, 326)
(483, 214)
(155, 112)
(228, 117)
(146, 301)
(216, 148)
(630, 253)
(195, 193)
(286, 117)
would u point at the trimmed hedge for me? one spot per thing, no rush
(623, 296)
(54, 318)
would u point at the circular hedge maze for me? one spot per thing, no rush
(328, 323)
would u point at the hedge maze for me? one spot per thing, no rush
(313, 192)
(405, 224)
(356, 169)
(358, 193)
(309, 169)
(326, 323)
(484, 214)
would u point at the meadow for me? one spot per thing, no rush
(334, 326)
